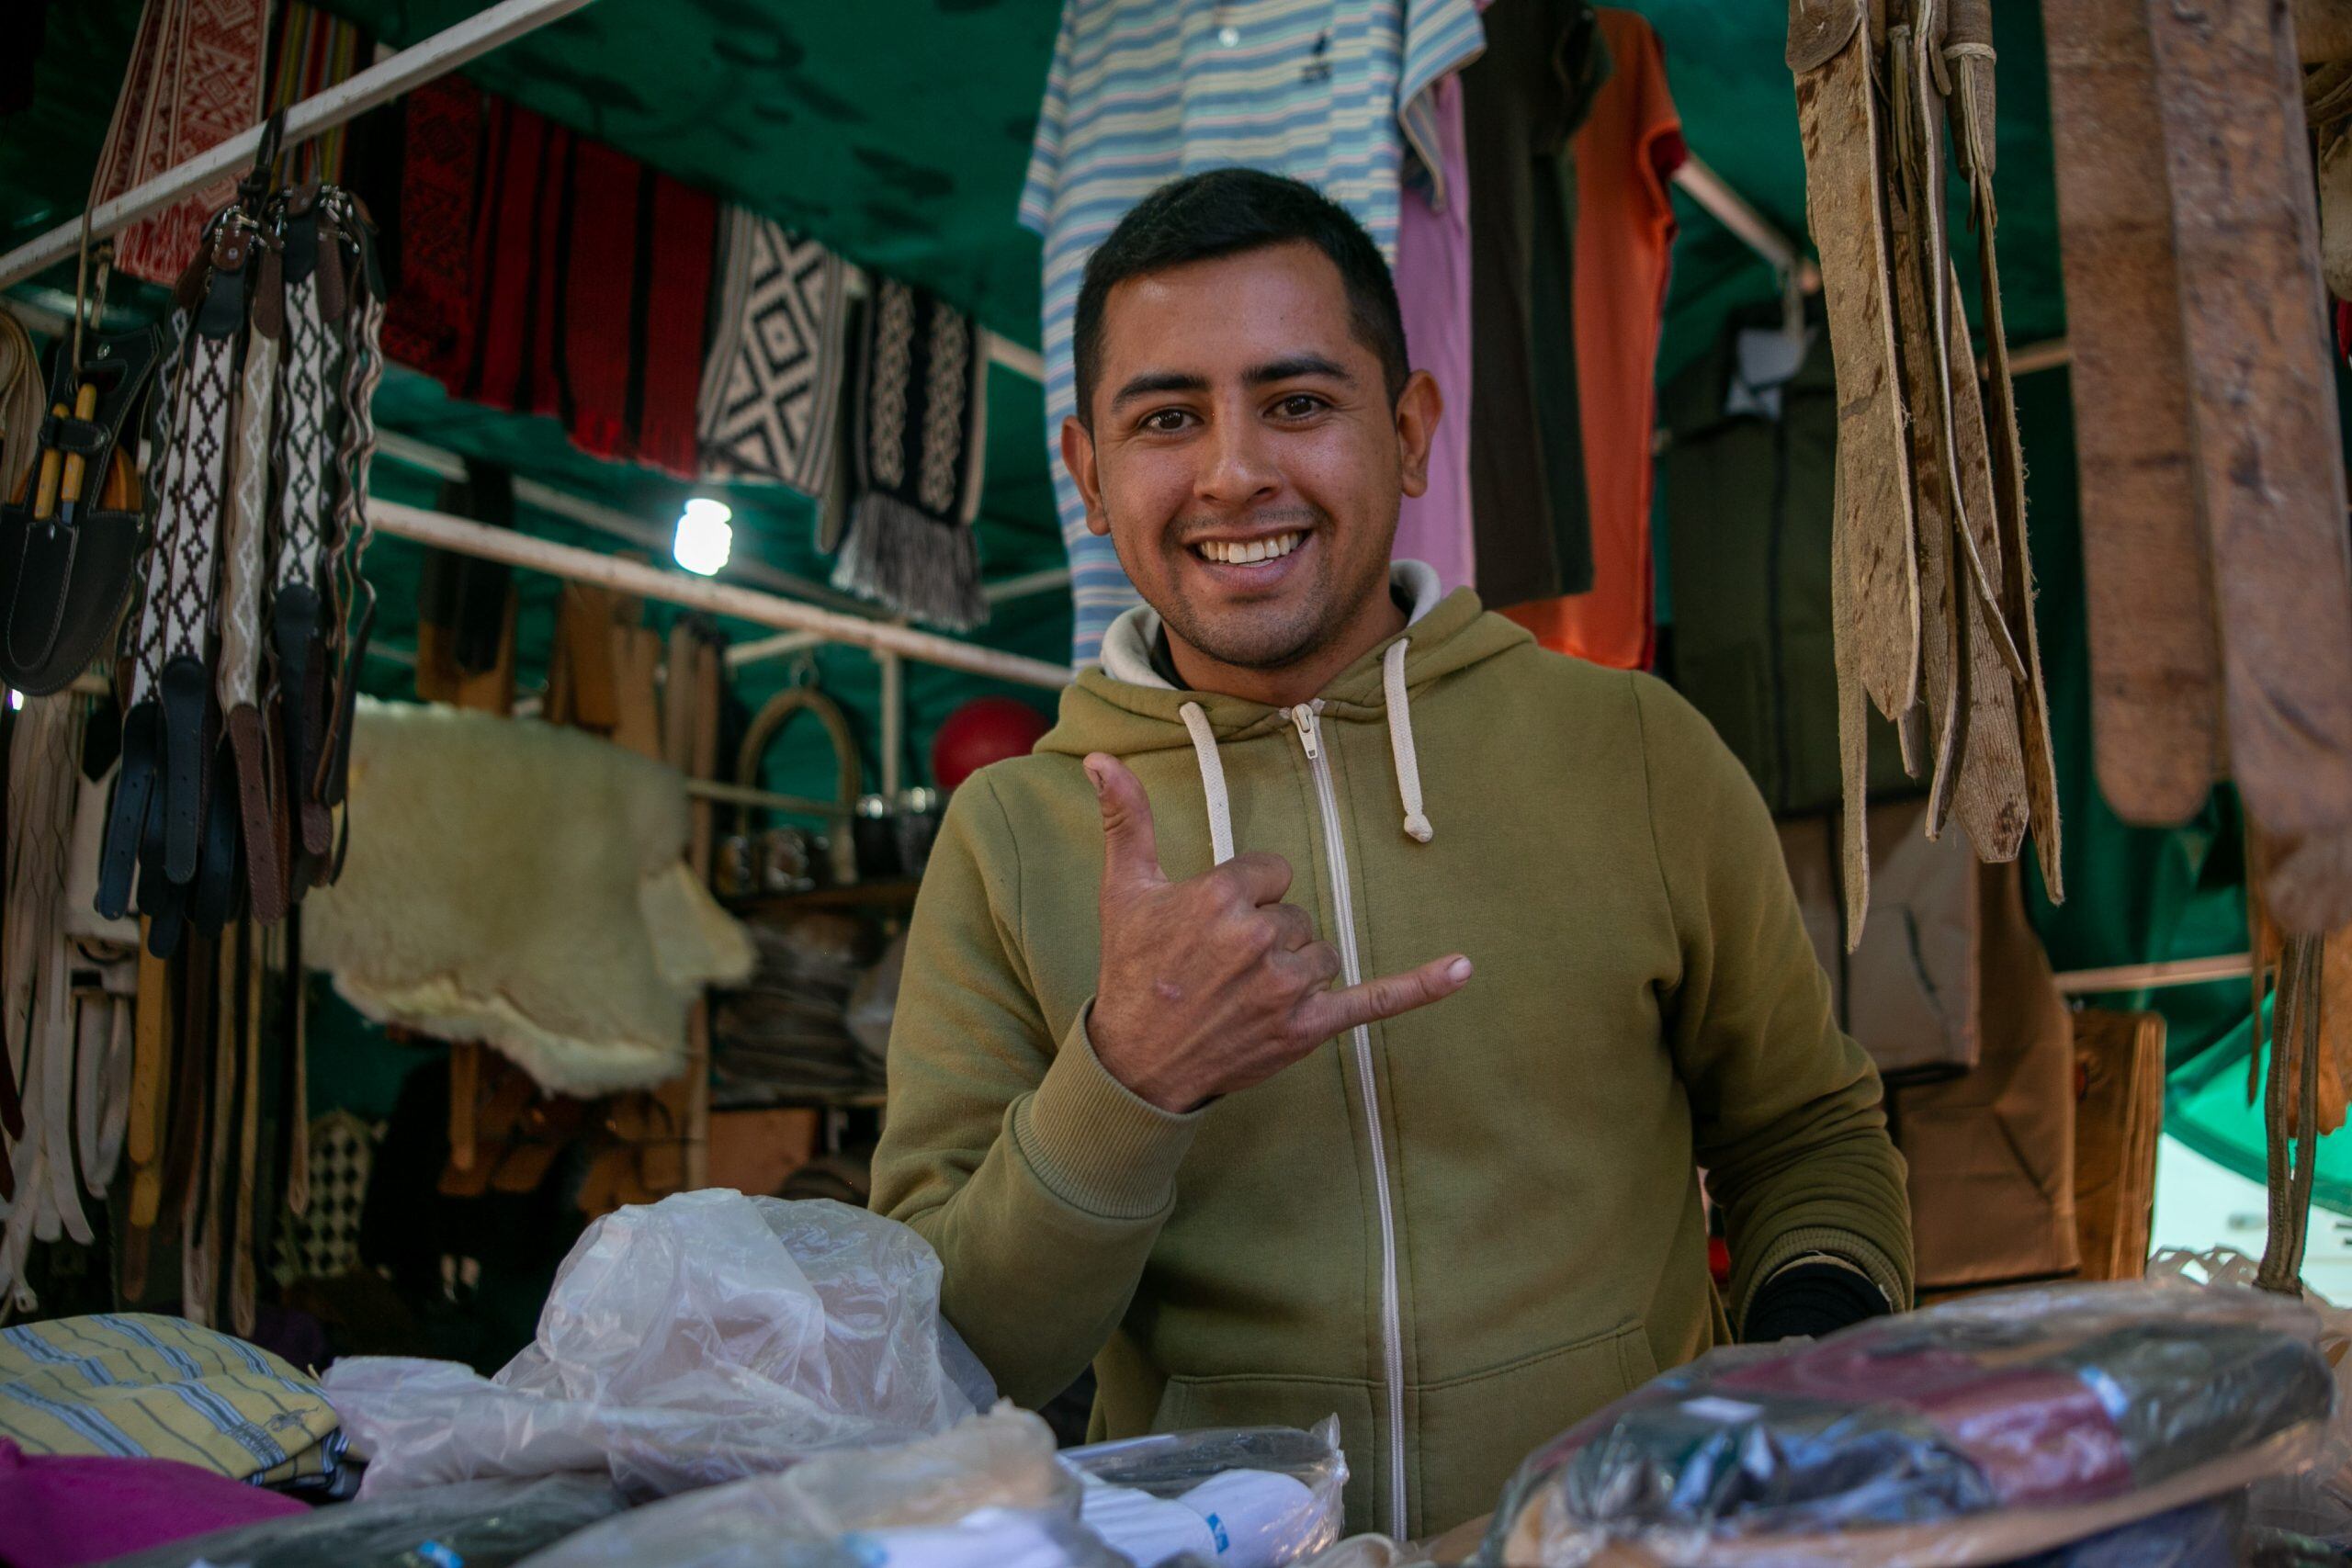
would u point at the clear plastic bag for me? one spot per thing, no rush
(1978, 1431)
(2203, 1535)
(697, 1340)
(1237, 1496)
(482, 1524)
(2316, 1504)
(987, 1491)
(1369, 1552)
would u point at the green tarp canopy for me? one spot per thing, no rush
(898, 130)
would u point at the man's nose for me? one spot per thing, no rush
(1237, 466)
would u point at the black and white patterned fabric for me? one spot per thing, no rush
(919, 443)
(772, 384)
(324, 1240)
(303, 497)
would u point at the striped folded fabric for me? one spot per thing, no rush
(132, 1385)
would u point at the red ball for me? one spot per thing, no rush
(984, 730)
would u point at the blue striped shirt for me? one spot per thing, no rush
(1142, 92)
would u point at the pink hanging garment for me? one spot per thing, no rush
(1433, 290)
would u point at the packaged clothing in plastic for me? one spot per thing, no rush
(697, 1340)
(2316, 1504)
(1978, 1431)
(989, 1483)
(1369, 1552)
(481, 1524)
(2203, 1535)
(1235, 1497)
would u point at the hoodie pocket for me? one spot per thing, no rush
(1245, 1400)
(1474, 1429)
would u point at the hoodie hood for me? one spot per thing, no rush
(1125, 707)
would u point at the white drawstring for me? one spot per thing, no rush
(1212, 782)
(1400, 742)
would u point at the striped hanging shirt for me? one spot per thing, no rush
(1142, 92)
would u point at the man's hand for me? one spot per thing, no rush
(1213, 985)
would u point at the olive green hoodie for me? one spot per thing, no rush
(1463, 1229)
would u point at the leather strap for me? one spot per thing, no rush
(294, 1073)
(212, 900)
(127, 810)
(93, 1014)
(113, 1080)
(151, 1066)
(268, 892)
(203, 1262)
(192, 1043)
(160, 898)
(335, 783)
(242, 1291)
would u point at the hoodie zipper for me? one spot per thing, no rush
(1391, 1310)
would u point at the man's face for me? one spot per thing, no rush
(1245, 457)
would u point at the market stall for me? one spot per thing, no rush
(474, 760)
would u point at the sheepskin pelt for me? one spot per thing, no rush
(521, 884)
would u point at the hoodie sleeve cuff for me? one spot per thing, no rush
(1093, 1141)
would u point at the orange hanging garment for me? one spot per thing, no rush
(1628, 150)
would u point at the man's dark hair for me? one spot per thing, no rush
(1224, 212)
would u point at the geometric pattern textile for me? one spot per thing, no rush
(771, 387)
(324, 1241)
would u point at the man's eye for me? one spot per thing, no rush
(1299, 405)
(1167, 422)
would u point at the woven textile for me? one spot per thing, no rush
(195, 81)
(429, 319)
(324, 1240)
(921, 438)
(772, 384)
(313, 52)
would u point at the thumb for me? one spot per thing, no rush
(1336, 1012)
(1130, 850)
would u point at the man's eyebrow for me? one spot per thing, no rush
(1152, 383)
(1296, 366)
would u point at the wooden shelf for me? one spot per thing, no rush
(863, 895)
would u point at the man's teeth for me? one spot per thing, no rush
(1234, 554)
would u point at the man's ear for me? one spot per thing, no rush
(1419, 408)
(1078, 456)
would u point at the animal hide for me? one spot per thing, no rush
(522, 885)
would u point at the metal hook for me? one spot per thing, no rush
(253, 189)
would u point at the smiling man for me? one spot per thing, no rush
(1334, 1014)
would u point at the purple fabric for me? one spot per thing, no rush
(62, 1510)
(1433, 290)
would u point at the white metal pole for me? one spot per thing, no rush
(620, 525)
(1736, 213)
(894, 718)
(379, 83)
(471, 539)
(2144, 976)
(761, 650)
